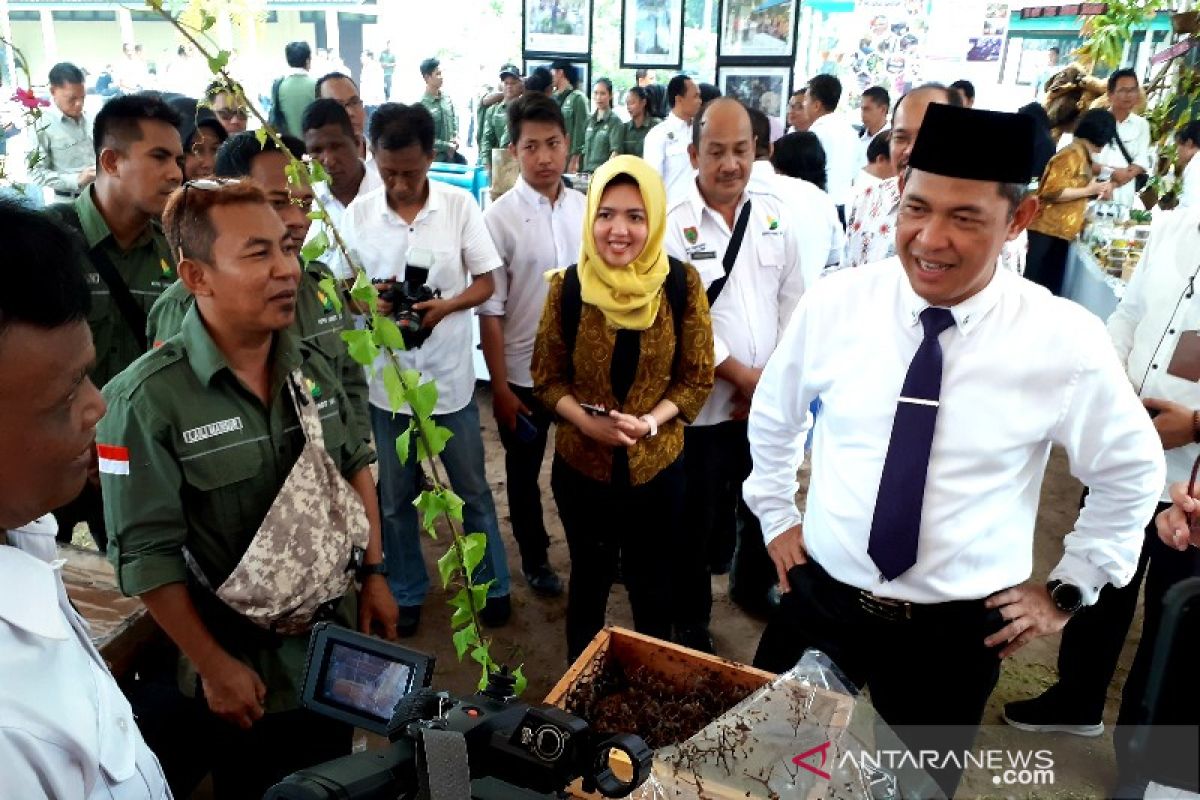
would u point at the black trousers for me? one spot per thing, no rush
(718, 526)
(87, 507)
(611, 523)
(522, 465)
(930, 676)
(1046, 261)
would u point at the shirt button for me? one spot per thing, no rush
(1154, 366)
(1172, 330)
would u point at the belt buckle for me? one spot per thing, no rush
(883, 607)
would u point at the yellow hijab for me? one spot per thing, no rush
(629, 296)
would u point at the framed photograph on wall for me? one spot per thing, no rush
(763, 87)
(557, 27)
(757, 29)
(582, 65)
(652, 34)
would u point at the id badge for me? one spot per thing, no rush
(1185, 361)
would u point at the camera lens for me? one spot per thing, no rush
(548, 743)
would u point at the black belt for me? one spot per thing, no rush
(889, 609)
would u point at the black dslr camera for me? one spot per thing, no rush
(514, 751)
(403, 295)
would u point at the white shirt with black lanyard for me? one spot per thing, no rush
(764, 285)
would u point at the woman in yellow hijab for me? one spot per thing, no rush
(624, 355)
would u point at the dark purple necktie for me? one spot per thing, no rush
(897, 521)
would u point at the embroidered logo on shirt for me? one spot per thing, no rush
(212, 429)
(113, 459)
(167, 272)
(772, 223)
(324, 300)
(313, 387)
(691, 234)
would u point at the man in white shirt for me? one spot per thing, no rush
(1129, 154)
(812, 211)
(329, 137)
(413, 222)
(536, 227)
(666, 145)
(1154, 330)
(1187, 143)
(837, 136)
(752, 290)
(874, 107)
(65, 728)
(931, 446)
(342, 88)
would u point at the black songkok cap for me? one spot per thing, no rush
(976, 145)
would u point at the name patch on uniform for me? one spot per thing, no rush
(212, 429)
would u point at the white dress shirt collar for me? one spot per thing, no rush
(30, 597)
(532, 197)
(433, 203)
(702, 209)
(967, 314)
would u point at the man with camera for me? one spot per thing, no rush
(416, 238)
(65, 728)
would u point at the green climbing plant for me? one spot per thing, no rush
(381, 336)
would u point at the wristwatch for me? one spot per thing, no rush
(367, 570)
(1066, 596)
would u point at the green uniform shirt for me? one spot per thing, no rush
(600, 140)
(495, 131)
(296, 91)
(575, 113)
(317, 321)
(632, 138)
(205, 462)
(147, 269)
(445, 124)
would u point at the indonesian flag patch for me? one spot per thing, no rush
(114, 460)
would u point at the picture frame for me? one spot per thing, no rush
(652, 34)
(582, 64)
(765, 87)
(757, 31)
(556, 28)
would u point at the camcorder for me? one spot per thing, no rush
(513, 751)
(403, 295)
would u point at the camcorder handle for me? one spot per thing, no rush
(442, 769)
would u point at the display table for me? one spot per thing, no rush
(121, 626)
(1090, 286)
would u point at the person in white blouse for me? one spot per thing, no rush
(753, 281)
(1187, 142)
(1128, 155)
(536, 227)
(666, 145)
(837, 136)
(911, 567)
(1156, 333)
(66, 730)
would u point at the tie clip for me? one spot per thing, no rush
(920, 401)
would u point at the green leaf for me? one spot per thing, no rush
(479, 594)
(410, 377)
(481, 656)
(316, 215)
(207, 20)
(473, 547)
(316, 171)
(449, 566)
(261, 134)
(464, 640)
(484, 673)
(431, 504)
(219, 61)
(330, 288)
(360, 346)
(462, 609)
(393, 387)
(315, 248)
(363, 290)
(423, 399)
(290, 171)
(522, 682)
(432, 440)
(403, 448)
(454, 504)
(387, 334)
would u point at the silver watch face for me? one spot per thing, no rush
(1068, 598)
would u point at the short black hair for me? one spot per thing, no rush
(761, 125)
(569, 70)
(298, 54)
(708, 93)
(879, 96)
(65, 72)
(1097, 126)
(640, 73)
(117, 124)
(676, 88)
(1189, 133)
(330, 76)
(236, 156)
(800, 155)
(221, 86)
(395, 126)
(966, 87)
(320, 113)
(640, 93)
(539, 80)
(953, 98)
(43, 284)
(193, 116)
(1054, 49)
(429, 66)
(880, 146)
(826, 89)
(533, 107)
(1126, 72)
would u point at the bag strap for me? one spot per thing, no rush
(1121, 147)
(731, 253)
(306, 409)
(133, 314)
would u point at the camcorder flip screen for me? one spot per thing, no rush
(359, 679)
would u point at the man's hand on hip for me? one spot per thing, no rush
(1029, 612)
(787, 551)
